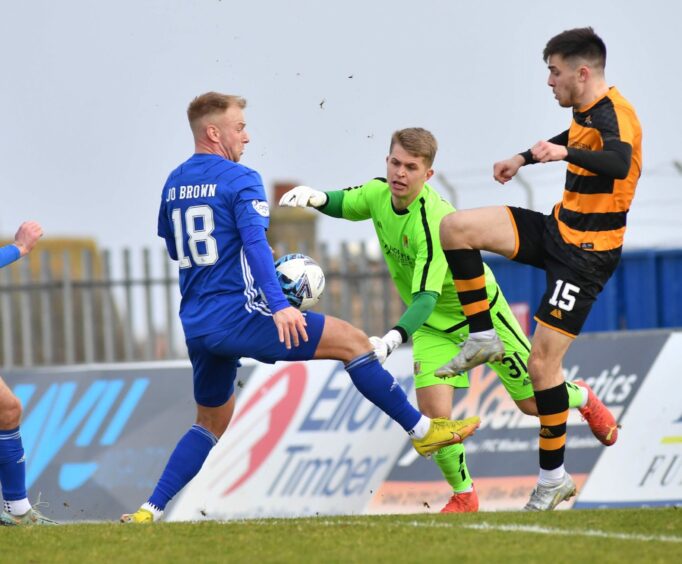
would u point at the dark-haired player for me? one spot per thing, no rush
(578, 244)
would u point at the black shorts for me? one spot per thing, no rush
(574, 276)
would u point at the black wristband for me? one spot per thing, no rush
(403, 334)
(527, 157)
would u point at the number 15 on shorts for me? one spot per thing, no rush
(564, 295)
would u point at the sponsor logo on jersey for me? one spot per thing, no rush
(556, 313)
(397, 255)
(261, 207)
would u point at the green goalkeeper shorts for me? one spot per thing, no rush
(432, 348)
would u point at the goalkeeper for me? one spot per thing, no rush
(406, 213)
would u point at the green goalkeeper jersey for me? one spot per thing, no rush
(411, 245)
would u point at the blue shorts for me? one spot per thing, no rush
(215, 357)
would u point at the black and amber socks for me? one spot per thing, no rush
(469, 278)
(553, 412)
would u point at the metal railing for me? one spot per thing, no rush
(88, 306)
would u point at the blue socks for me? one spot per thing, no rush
(12, 465)
(382, 389)
(184, 463)
(373, 382)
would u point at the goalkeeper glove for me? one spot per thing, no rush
(303, 196)
(384, 346)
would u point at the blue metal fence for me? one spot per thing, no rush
(645, 292)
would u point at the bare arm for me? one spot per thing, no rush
(27, 236)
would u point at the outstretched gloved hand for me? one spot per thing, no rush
(303, 196)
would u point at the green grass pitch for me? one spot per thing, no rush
(602, 536)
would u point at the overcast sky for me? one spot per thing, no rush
(94, 94)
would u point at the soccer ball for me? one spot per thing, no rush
(301, 279)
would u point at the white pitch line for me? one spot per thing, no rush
(569, 533)
(488, 527)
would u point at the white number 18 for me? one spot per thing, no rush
(210, 253)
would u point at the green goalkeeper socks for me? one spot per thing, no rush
(452, 463)
(577, 396)
(452, 460)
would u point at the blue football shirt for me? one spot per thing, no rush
(204, 203)
(8, 254)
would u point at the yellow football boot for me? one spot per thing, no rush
(443, 432)
(140, 516)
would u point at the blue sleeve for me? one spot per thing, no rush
(8, 254)
(259, 257)
(171, 248)
(165, 231)
(250, 204)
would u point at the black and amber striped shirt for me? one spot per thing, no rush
(605, 161)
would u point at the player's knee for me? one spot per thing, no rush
(10, 411)
(538, 360)
(536, 365)
(543, 370)
(357, 342)
(457, 231)
(449, 228)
